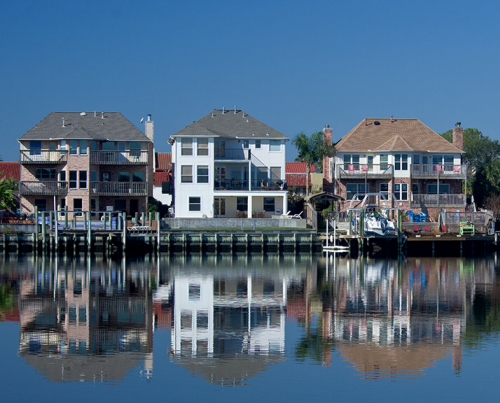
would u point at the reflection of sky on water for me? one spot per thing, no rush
(228, 319)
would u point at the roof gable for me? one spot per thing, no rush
(230, 124)
(394, 135)
(111, 126)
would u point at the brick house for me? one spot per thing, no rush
(402, 158)
(86, 161)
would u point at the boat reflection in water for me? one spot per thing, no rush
(226, 317)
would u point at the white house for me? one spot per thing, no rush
(229, 164)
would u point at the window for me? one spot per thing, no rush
(416, 159)
(186, 174)
(186, 146)
(383, 162)
(370, 163)
(202, 174)
(73, 147)
(77, 206)
(275, 173)
(93, 206)
(202, 147)
(274, 145)
(195, 204)
(219, 206)
(138, 177)
(246, 143)
(83, 180)
(356, 188)
(135, 148)
(448, 162)
(62, 176)
(41, 204)
(269, 204)
(351, 159)
(401, 191)
(45, 173)
(35, 147)
(443, 188)
(62, 206)
(52, 146)
(120, 205)
(93, 176)
(384, 189)
(194, 292)
(62, 147)
(105, 177)
(220, 148)
(401, 162)
(261, 173)
(257, 143)
(415, 188)
(83, 147)
(123, 176)
(108, 146)
(72, 179)
(93, 145)
(242, 203)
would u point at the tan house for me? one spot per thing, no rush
(403, 159)
(86, 161)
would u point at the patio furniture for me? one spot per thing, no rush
(467, 228)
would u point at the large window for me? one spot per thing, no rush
(401, 162)
(246, 143)
(274, 145)
(443, 188)
(73, 147)
(41, 204)
(135, 148)
(202, 174)
(220, 148)
(123, 176)
(195, 204)
(83, 180)
(45, 173)
(356, 188)
(384, 189)
(401, 191)
(77, 206)
(351, 160)
(219, 206)
(257, 143)
(242, 204)
(138, 177)
(35, 147)
(186, 146)
(202, 147)
(384, 164)
(83, 147)
(269, 204)
(72, 180)
(186, 174)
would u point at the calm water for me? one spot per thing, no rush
(249, 328)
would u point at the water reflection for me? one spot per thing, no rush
(226, 318)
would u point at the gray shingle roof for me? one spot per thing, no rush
(394, 135)
(230, 125)
(114, 126)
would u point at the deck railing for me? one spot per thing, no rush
(43, 156)
(118, 188)
(441, 200)
(38, 188)
(119, 157)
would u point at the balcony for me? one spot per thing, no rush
(43, 156)
(238, 154)
(118, 189)
(365, 171)
(119, 157)
(36, 188)
(433, 171)
(263, 185)
(441, 200)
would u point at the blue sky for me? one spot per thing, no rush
(295, 65)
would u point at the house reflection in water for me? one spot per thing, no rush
(229, 322)
(393, 320)
(73, 315)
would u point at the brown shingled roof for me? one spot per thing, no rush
(394, 135)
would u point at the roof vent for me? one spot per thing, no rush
(213, 114)
(83, 114)
(253, 134)
(243, 115)
(267, 134)
(223, 110)
(248, 120)
(102, 115)
(63, 123)
(235, 109)
(376, 123)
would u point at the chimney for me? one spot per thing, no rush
(392, 119)
(458, 136)
(327, 173)
(149, 128)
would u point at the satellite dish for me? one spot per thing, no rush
(142, 120)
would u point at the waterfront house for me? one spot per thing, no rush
(229, 164)
(86, 161)
(402, 158)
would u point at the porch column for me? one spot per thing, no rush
(285, 204)
(250, 207)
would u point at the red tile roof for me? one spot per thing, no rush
(160, 177)
(297, 168)
(163, 162)
(10, 170)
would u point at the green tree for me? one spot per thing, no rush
(7, 188)
(311, 150)
(483, 167)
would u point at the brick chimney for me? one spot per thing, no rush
(458, 136)
(327, 174)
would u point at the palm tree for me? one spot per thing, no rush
(311, 151)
